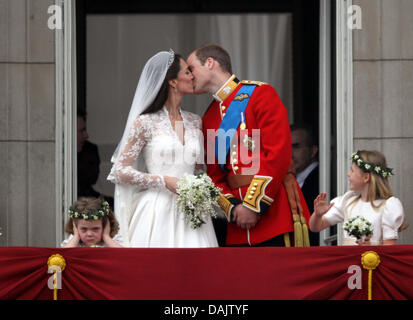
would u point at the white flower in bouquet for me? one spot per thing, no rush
(197, 196)
(358, 227)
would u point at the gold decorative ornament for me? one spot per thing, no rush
(259, 183)
(241, 97)
(243, 126)
(226, 205)
(298, 231)
(258, 83)
(306, 236)
(370, 260)
(227, 89)
(56, 260)
(287, 241)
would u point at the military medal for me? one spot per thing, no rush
(243, 125)
(249, 143)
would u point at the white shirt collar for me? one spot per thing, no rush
(304, 174)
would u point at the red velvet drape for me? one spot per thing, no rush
(205, 274)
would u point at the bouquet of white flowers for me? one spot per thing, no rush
(197, 196)
(358, 227)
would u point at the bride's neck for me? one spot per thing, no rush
(173, 105)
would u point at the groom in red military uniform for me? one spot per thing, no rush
(247, 131)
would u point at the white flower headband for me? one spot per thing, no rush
(370, 167)
(92, 214)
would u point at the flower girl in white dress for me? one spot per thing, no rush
(370, 197)
(160, 144)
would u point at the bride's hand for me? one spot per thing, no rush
(171, 183)
(364, 242)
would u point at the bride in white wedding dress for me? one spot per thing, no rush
(160, 144)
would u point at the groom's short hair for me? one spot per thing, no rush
(216, 52)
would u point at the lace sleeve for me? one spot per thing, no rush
(123, 171)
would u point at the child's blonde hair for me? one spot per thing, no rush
(86, 204)
(379, 187)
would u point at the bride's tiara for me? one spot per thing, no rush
(171, 58)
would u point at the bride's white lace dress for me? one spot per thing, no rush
(156, 221)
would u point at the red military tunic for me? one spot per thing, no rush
(265, 194)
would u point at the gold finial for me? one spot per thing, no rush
(57, 260)
(370, 260)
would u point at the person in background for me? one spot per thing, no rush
(88, 162)
(305, 158)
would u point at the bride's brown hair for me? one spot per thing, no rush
(162, 95)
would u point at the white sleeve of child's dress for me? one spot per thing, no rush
(336, 213)
(64, 242)
(118, 238)
(393, 215)
(123, 171)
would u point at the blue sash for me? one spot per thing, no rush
(231, 122)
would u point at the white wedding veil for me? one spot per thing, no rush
(150, 82)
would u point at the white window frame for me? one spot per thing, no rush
(344, 101)
(324, 139)
(344, 96)
(66, 115)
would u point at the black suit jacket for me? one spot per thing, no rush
(311, 189)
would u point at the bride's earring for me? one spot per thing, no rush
(176, 89)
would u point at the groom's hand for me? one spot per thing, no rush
(244, 217)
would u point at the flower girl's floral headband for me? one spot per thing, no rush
(90, 215)
(370, 167)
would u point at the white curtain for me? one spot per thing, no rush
(118, 46)
(260, 46)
